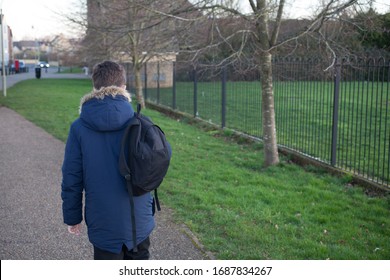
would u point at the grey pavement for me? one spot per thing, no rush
(31, 225)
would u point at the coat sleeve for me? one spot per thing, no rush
(72, 180)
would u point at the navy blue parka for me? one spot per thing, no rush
(91, 166)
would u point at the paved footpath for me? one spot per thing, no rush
(31, 225)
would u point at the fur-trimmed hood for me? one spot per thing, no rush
(103, 92)
(107, 109)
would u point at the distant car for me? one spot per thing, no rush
(44, 64)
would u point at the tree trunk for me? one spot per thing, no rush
(138, 86)
(271, 156)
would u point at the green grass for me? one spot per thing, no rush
(51, 104)
(219, 189)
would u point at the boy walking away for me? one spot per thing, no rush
(91, 166)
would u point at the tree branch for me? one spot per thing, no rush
(275, 33)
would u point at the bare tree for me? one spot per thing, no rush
(260, 29)
(135, 31)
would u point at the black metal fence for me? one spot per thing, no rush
(338, 114)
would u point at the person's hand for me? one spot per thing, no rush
(76, 229)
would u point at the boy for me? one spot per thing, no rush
(91, 166)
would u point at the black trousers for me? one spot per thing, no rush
(142, 254)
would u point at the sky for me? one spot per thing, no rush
(31, 19)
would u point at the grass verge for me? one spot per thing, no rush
(219, 189)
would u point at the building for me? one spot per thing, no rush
(7, 43)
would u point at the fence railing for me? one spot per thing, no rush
(340, 116)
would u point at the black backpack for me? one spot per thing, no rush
(147, 160)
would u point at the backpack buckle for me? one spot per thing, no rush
(128, 177)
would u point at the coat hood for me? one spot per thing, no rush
(106, 109)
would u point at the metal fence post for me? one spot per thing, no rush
(146, 81)
(174, 86)
(127, 75)
(335, 119)
(224, 78)
(195, 93)
(158, 82)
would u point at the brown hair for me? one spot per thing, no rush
(108, 73)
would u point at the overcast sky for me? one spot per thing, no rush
(35, 18)
(30, 19)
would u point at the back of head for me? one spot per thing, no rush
(108, 73)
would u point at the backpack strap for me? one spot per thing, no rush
(157, 201)
(132, 211)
